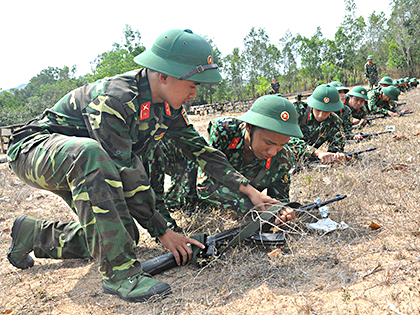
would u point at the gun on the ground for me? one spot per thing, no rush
(385, 116)
(357, 153)
(3, 159)
(216, 245)
(315, 164)
(399, 104)
(369, 135)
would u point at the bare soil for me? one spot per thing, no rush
(358, 270)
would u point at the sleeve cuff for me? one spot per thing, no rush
(156, 225)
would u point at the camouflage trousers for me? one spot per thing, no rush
(189, 186)
(82, 173)
(372, 83)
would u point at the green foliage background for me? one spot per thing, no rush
(296, 62)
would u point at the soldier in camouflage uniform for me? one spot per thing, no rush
(319, 125)
(86, 149)
(256, 146)
(354, 111)
(275, 87)
(371, 72)
(382, 101)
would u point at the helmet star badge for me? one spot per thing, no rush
(284, 115)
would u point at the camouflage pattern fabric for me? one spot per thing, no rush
(87, 149)
(371, 73)
(345, 116)
(190, 184)
(316, 133)
(275, 87)
(377, 105)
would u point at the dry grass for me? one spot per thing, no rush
(354, 271)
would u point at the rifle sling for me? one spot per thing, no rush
(259, 176)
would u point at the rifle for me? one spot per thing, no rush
(399, 104)
(316, 164)
(216, 245)
(368, 135)
(385, 116)
(357, 153)
(3, 159)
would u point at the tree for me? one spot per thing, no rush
(312, 51)
(120, 58)
(260, 57)
(404, 27)
(288, 55)
(234, 70)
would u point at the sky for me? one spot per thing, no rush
(39, 34)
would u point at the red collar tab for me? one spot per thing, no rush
(168, 109)
(268, 164)
(145, 110)
(234, 143)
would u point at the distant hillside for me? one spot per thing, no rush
(22, 86)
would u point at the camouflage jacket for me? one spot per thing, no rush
(371, 72)
(346, 116)
(275, 87)
(118, 112)
(316, 133)
(227, 135)
(377, 105)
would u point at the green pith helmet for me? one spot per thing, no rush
(396, 82)
(386, 80)
(358, 91)
(274, 113)
(325, 98)
(370, 57)
(339, 86)
(182, 55)
(392, 92)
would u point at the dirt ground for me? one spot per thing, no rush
(358, 270)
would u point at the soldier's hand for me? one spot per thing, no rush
(325, 157)
(358, 137)
(257, 198)
(340, 158)
(404, 110)
(355, 121)
(284, 215)
(178, 245)
(392, 114)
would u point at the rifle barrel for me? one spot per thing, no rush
(359, 152)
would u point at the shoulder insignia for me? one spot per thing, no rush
(268, 164)
(185, 116)
(158, 137)
(168, 109)
(234, 143)
(145, 110)
(286, 178)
